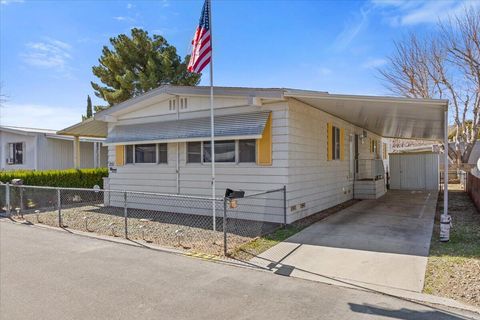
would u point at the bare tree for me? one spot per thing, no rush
(445, 65)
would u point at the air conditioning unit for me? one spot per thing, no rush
(10, 161)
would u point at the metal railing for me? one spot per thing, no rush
(182, 222)
(369, 169)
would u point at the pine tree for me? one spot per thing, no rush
(137, 64)
(89, 109)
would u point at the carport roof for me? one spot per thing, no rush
(390, 117)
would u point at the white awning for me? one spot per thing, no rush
(388, 117)
(235, 126)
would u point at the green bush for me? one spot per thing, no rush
(71, 178)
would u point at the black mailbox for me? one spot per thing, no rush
(234, 194)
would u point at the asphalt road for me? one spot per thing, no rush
(48, 274)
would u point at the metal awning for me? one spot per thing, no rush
(235, 126)
(91, 128)
(389, 117)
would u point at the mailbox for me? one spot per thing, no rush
(17, 182)
(234, 194)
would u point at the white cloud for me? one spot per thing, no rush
(165, 3)
(129, 6)
(50, 53)
(409, 13)
(123, 18)
(38, 116)
(5, 2)
(373, 63)
(352, 28)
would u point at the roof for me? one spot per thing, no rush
(391, 117)
(246, 126)
(48, 133)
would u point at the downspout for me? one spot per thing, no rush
(177, 162)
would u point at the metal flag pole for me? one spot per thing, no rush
(212, 121)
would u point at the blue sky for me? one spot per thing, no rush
(47, 48)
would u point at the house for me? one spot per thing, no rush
(41, 149)
(325, 148)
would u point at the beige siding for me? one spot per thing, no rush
(195, 179)
(312, 179)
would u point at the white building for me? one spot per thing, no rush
(42, 149)
(320, 146)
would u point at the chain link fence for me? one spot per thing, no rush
(176, 221)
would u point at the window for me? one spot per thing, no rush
(162, 153)
(194, 152)
(247, 150)
(335, 143)
(146, 153)
(231, 151)
(15, 153)
(224, 151)
(129, 154)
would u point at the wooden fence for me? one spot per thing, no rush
(473, 189)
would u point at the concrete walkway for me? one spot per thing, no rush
(373, 244)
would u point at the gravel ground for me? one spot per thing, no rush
(180, 231)
(453, 268)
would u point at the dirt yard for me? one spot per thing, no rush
(188, 232)
(453, 268)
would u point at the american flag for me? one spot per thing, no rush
(201, 43)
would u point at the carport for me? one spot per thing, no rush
(389, 117)
(380, 244)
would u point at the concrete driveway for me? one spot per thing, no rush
(373, 244)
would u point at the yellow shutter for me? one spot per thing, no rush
(384, 151)
(371, 144)
(342, 144)
(264, 145)
(119, 155)
(329, 141)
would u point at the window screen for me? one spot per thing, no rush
(129, 154)
(224, 151)
(145, 153)
(15, 151)
(247, 150)
(335, 143)
(162, 153)
(194, 152)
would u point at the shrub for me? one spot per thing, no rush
(71, 178)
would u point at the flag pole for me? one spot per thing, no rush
(212, 121)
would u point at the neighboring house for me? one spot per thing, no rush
(320, 146)
(41, 149)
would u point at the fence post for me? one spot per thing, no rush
(7, 198)
(225, 226)
(125, 213)
(21, 199)
(59, 206)
(284, 206)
